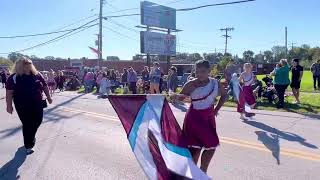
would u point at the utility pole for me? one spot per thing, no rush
(292, 45)
(227, 29)
(286, 41)
(100, 34)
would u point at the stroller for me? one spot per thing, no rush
(269, 91)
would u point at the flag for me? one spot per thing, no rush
(95, 50)
(155, 137)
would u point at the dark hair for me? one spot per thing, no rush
(296, 60)
(173, 68)
(203, 63)
(156, 63)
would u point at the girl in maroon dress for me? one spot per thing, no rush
(199, 124)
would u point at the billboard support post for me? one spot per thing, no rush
(168, 57)
(148, 55)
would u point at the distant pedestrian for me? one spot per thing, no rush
(3, 78)
(132, 80)
(60, 80)
(155, 76)
(51, 82)
(24, 88)
(315, 69)
(231, 68)
(105, 86)
(89, 81)
(172, 81)
(145, 78)
(281, 80)
(98, 81)
(124, 77)
(297, 73)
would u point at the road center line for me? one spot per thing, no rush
(226, 140)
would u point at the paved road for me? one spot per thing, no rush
(81, 138)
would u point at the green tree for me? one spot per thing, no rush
(248, 56)
(15, 56)
(279, 52)
(268, 56)
(49, 58)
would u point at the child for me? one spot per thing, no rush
(105, 85)
(199, 124)
(246, 95)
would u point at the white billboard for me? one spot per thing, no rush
(155, 15)
(158, 43)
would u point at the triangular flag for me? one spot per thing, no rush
(155, 137)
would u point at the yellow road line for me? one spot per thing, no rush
(226, 140)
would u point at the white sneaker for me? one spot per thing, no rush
(29, 151)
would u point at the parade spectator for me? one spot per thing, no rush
(113, 79)
(145, 78)
(60, 80)
(3, 78)
(51, 82)
(281, 80)
(98, 80)
(315, 69)
(88, 81)
(172, 81)
(297, 73)
(132, 80)
(74, 83)
(155, 77)
(231, 68)
(105, 86)
(24, 89)
(124, 77)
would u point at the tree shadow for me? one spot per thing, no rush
(271, 142)
(47, 114)
(281, 134)
(10, 170)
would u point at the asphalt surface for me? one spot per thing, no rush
(82, 138)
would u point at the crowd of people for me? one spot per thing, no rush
(149, 81)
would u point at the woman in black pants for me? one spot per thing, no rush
(281, 80)
(24, 88)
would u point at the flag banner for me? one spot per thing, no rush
(155, 137)
(95, 50)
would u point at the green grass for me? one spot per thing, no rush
(306, 82)
(310, 104)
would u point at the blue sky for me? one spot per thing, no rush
(258, 26)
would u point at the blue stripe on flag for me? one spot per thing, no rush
(134, 130)
(178, 150)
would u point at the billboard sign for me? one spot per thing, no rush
(155, 15)
(158, 43)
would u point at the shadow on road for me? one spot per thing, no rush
(47, 114)
(281, 134)
(10, 170)
(271, 142)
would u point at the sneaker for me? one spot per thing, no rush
(29, 151)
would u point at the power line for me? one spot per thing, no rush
(122, 26)
(40, 34)
(183, 9)
(81, 28)
(120, 34)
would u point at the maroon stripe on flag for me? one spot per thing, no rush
(127, 108)
(170, 129)
(163, 172)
